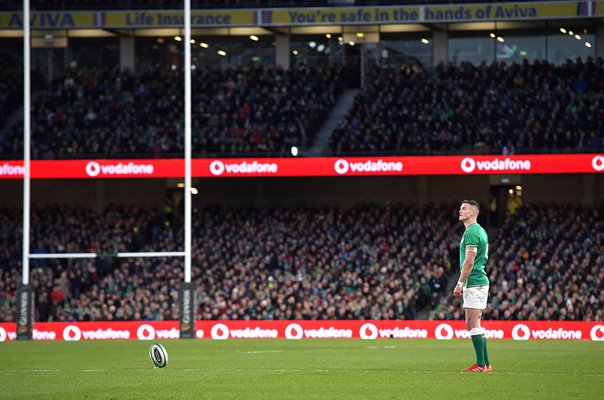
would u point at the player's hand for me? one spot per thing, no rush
(458, 291)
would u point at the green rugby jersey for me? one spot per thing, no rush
(475, 236)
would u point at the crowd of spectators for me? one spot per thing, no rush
(11, 95)
(487, 109)
(497, 108)
(366, 262)
(245, 111)
(547, 263)
(60, 284)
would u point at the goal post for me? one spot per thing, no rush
(25, 293)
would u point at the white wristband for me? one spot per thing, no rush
(460, 283)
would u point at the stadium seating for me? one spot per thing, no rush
(236, 112)
(368, 262)
(11, 98)
(486, 109)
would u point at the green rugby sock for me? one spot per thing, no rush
(479, 347)
(486, 353)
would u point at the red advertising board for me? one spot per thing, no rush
(295, 330)
(292, 167)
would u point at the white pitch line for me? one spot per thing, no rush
(260, 351)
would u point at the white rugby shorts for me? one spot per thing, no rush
(475, 297)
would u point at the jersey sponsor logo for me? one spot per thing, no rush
(342, 166)
(597, 333)
(218, 168)
(598, 163)
(469, 165)
(93, 168)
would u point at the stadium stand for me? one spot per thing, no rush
(11, 97)
(235, 112)
(486, 109)
(368, 262)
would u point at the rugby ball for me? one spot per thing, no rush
(158, 355)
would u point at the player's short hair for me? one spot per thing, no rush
(472, 203)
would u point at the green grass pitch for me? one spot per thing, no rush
(307, 369)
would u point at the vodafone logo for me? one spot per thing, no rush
(2, 335)
(93, 168)
(12, 170)
(443, 332)
(468, 164)
(199, 334)
(341, 166)
(72, 333)
(368, 331)
(145, 332)
(219, 332)
(598, 163)
(521, 332)
(596, 334)
(216, 167)
(294, 332)
(254, 167)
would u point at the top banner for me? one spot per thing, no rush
(306, 16)
(295, 167)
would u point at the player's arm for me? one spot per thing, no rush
(466, 269)
(468, 263)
